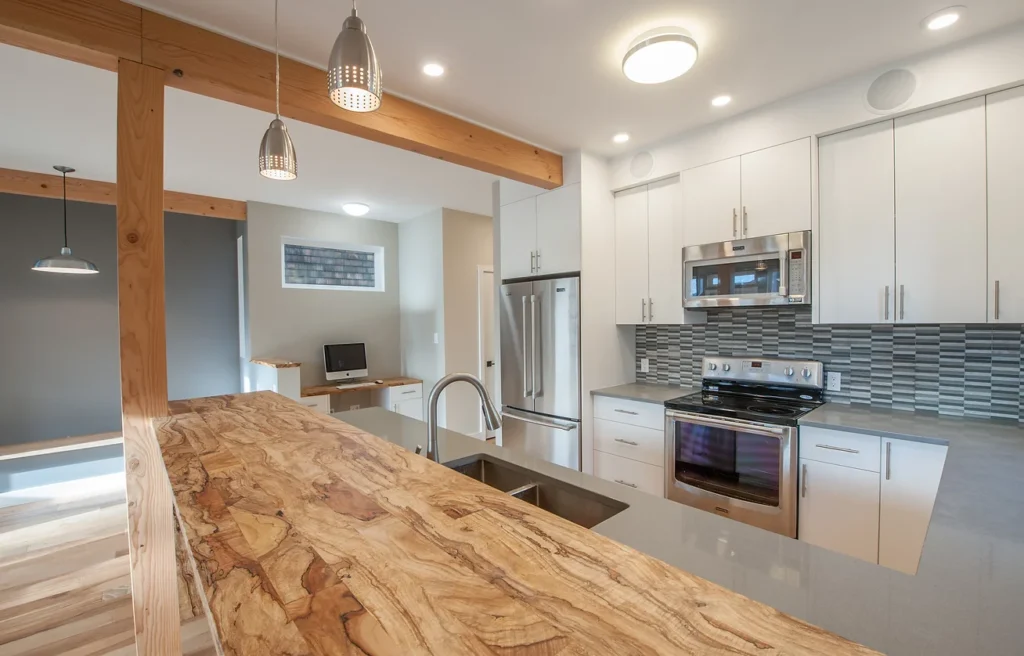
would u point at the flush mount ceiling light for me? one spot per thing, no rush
(277, 152)
(353, 74)
(65, 262)
(660, 55)
(621, 138)
(355, 209)
(721, 101)
(940, 20)
(433, 70)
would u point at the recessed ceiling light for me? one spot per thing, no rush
(721, 101)
(621, 137)
(355, 209)
(660, 55)
(433, 70)
(940, 20)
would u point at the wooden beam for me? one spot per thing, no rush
(94, 32)
(97, 32)
(44, 185)
(140, 290)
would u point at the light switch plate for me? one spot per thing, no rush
(354, 407)
(645, 365)
(833, 381)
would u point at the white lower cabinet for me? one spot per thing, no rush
(320, 403)
(633, 442)
(410, 408)
(839, 509)
(404, 399)
(631, 473)
(910, 482)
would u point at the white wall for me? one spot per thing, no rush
(977, 66)
(421, 274)
(468, 240)
(296, 323)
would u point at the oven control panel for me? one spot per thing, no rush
(795, 373)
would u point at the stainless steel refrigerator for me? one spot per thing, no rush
(540, 369)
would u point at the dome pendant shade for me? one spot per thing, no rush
(277, 153)
(353, 75)
(65, 263)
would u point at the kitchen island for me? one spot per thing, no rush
(311, 535)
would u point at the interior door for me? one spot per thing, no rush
(555, 347)
(631, 256)
(776, 190)
(518, 230)
(665, 253)
(1005, 200)
(857, 224)
(711, 203)
(941, 215)
(515, 334)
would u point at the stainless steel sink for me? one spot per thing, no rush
(579, 506)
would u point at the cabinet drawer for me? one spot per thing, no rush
(320, 403)
(401, 393)
(633, 442)
(637, 475)
(634, 413)
(841, 448)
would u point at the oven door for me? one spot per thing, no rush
(745, 272)
(739, 469)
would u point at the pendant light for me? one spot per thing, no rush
(65, 262)
(277, 152)
(353, 75)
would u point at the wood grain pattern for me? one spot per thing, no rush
(44, 185)
(318, 390)
(94, 32)
(313, 537)
(143, 341)
(276, 363)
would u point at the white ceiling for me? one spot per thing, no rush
(211, 147)
(548, 71)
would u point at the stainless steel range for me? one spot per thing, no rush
(732, 448)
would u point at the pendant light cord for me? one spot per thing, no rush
(277, 68)
(65, 175)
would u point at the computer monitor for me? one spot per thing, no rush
(345, 361)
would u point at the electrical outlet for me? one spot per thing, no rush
(354, 407)
(833, 381)
(645, 365)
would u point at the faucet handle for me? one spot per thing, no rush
(419, 448)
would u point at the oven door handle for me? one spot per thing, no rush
(704, 420)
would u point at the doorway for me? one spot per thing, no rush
(487, 365)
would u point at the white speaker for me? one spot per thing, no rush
(891, 90)
(642, 165)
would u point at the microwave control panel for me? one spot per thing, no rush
(797, 280)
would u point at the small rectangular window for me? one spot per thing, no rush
(309, 264)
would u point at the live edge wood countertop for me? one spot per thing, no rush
(313, 537)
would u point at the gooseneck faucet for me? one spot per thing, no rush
(491, 415)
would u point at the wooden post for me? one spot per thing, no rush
(140, 292)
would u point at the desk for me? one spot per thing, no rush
(401, 394)
(332, 388)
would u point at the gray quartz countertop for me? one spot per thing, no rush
(968, 594)
(647, 392)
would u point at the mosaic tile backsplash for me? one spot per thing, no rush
(328, 267)
(956, 370)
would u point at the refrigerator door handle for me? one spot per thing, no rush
(533, 346)
(526, 391)
(539, 421)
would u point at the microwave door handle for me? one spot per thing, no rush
(784, 274)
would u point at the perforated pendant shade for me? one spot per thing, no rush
(277, 153)
(353, 75)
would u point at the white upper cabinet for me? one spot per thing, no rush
(518, 228)
(711, 203)
(776, 190)
(1005, 205)
(541, 235)
(665, 253)
(856, 227)
(558, 230)
(631, 256)
(941, 238)
(911, 472)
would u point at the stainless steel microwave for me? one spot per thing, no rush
(773, 270)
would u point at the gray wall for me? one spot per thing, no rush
(296, 323)
(59, 355)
